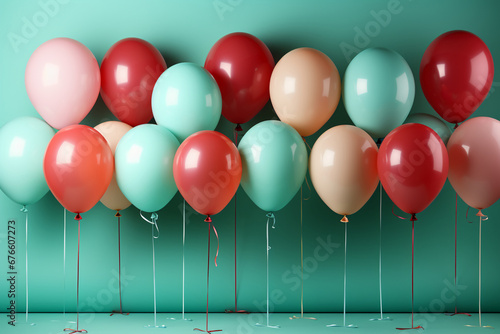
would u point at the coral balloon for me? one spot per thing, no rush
(207, 171)
(378, 90)
(456, 73)
(412, 166)
(305, 89)
(186, 99)
(23, 144)
(62, 81)
(78, 167)
(144, 162)
(113, 131)
(343, 168)
(129, 71)
(274, 159)
(242, 66)
(474, 150)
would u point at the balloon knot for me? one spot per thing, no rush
(456, 126)
(154, 216)
(118, 213)
(78, 217)
(379, 142)
(24, 209)
(344, 219)
(208, 219)
(238, 127)
(413, 217)
(480, 214)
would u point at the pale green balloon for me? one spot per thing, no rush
(274, 161)
(378, 91)
(144, 160)
(186, 99)
(23, 142)
(440, 127)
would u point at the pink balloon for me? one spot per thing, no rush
(474, 153)
(62, 80)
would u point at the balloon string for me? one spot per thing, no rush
(153, 237)
(345, 268)
(412, 218)
(479, 213)
(208, 288)
(64, 264)
(153, 221)
(479, 284)
(412, 276)
(269, 217)
(217, 235)
(183, 253)
(118, 216)
(77, 330)
(380, 252)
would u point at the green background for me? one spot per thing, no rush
(185, 31)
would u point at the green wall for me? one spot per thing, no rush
(185, 31)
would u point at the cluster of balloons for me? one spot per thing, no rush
(131, 161)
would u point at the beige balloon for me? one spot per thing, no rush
(305, 89)
(343, 168)
(113, 131)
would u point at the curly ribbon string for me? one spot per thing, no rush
(481, 216)
(412, 219)
(380, 257)
(236, 130)
(118, 216)
(77, 330)
(209, 221)
(301, 264)
(345, 283)
(456, 242)
(270, 217)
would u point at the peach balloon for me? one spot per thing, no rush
(474, 153)
(305, 89)
(343, 168)
(113, 131)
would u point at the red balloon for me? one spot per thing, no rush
(456, 73)
(129, 71)
(207, 171)
(78, 166)
(412, 165)
(242, 66)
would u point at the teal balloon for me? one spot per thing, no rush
(440, 127)
(23, 142)
(274, 161)
(144, 160)
(378, 91)
(186, 99)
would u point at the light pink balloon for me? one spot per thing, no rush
(113, 131)
(62, 80)
(474, 154)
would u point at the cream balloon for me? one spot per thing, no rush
(305, 89)
(113, 131)
(343, 168)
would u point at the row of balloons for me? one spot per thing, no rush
(63, 81)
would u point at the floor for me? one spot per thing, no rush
(97, 323)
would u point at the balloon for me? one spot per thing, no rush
(274, 159)
(129, 71)
(242, 66)
(305, 89)
(113, 131)
(207, 171)
(378, 91)
(186, 99)
(412, 166)
(343, 168)
(62, 81)
(434, 123)
(474, 149)
(144, 161)
(23, 144)
(78, 167)
(456, 73)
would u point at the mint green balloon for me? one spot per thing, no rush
(436, 124)
(274, 161)
(186, 99)
(378, 91)
(23, 142)
(144, 160)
